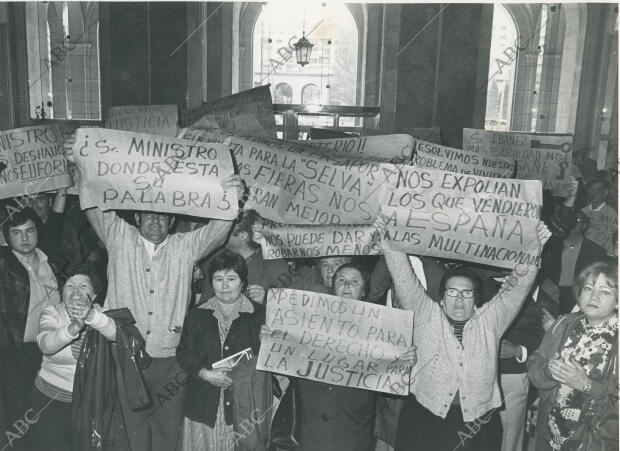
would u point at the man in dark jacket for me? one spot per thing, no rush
(27, 285)
(564, 259)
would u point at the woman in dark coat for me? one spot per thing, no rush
(224, 325)
(332, 417)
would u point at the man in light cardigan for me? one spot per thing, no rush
(150, 272)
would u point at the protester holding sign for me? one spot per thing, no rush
(334, 417)
(225, 325)
(456, 394)
(150, 272)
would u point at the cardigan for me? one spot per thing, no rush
(444, 366)
(200, 347)
(157, 290)
(54, 340)
(538, 372)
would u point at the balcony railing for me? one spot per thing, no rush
(295, 121)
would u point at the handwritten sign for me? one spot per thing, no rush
(387, 148)
(137, 171)
(401, 148)
(68, 127)
(293, 183)
(33, 161)
(248, 111)
(539, 157)
(337, 341)
(152, 119)
(434, 156)
(462, 217)
(603, 226)
(301, 241)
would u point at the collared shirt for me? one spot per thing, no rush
(225, 321)
(43, 292)
(151, 247)
(156, 288)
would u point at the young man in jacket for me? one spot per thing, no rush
(27, 285)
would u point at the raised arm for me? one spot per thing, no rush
(101, 323)
(53, 336)
(100, 220)
(409, 290)
(505, 306)
(206, 239)
(201, 242)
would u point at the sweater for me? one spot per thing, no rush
(54, 340)
(445, 367)
(157, 289)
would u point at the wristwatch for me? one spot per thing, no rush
(587, 387)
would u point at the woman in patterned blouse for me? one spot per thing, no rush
(576, 366)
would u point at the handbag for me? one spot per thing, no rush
(598, 428)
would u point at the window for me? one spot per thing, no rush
(310, 95)
(283, 93)
(500, 85)
(548, 66)
(63, 60)
(331, 77)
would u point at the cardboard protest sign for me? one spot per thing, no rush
(33, 161)
(603, 226)
(462, 217)
(293, 183)
(327, 133)
(152, 119)
(404, 148)
(302, 241)
(386, 148)
(248, 111)
(434, 156)
(68, 127)
(137, 171)
(337, 341)
(539, 157)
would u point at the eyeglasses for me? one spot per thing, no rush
(465, 294)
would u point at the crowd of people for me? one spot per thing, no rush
(116, 333)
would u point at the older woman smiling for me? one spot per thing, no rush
(61, 332)
(576, 368)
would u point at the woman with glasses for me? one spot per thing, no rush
(576, 369)
(454, 392)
